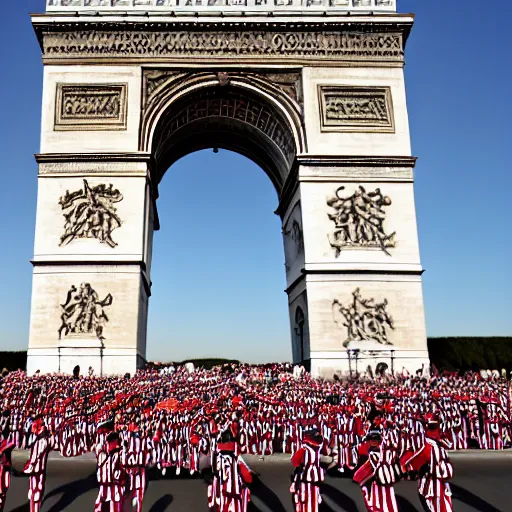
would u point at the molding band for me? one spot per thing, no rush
(305, 273)
(82, 263)
(44, 158)
(359, 161)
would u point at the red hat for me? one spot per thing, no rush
(113, 441)
(432, 420)
(106, 426)
(38, 426)
(313, 438)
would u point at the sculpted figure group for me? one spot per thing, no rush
(365, 320)
(84, 312)
(359, 220)
(90, 213)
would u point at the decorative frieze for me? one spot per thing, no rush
(356, 109)
(83, 313)
(359, 220)
(161, 45)
(91, 107)
(163, 6)
(90, 213)
(365, 320)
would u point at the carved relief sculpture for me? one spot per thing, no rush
(359, 220)
(356, 109)
(156, 80)
(293, 243)
(90, 107)
(90, 213)
(295, 233)
(83, 312)
(159, 45)
(365, 320)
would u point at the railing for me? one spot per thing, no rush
(163, 6)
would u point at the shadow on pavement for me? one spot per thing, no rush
(266, 495)
(340, 498)
(467, 497)
(71, 491)
(334, 473)
(22, 508)
(404, 505)
(162, 503)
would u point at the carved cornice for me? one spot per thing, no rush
(87, 40)
(45, 158)
(357, 161)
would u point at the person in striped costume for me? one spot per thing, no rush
(136, 458)
(435, 470)
(6, 448)
(229, 490)
(111, 475)
(35, 467)
(308, 474)
(377, 474)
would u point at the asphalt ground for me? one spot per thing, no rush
(482, 483)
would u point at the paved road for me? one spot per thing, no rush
(482, 483)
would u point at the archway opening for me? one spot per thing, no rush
(229, 118)
(218, 275)
(231, 270)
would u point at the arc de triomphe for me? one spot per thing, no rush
(311, 90)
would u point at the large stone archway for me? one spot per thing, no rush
(315, 97)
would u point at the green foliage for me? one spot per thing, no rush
(471, 353)
(13, 360)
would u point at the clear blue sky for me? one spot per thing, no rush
(219, 275)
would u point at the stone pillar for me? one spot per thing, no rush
(294, 251)
(363, 281)
(94, 226)
(360, 277)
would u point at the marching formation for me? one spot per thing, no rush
(377, 431)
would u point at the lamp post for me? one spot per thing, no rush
(101, 358)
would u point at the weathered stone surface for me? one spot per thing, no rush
(109, 6)
(320, 106)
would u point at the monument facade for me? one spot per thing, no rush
(311, 90)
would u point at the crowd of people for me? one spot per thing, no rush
(377, 430)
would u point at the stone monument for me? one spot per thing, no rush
(311, 90)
